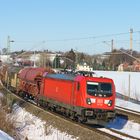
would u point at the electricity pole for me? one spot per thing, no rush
(112, 45)
(34, 60)
(8, 45)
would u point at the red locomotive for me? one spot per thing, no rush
(85, 98)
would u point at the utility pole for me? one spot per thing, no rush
(131, 40)
(8, 45)
(112, 45)
(34, 60)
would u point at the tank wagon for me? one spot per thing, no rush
(85, 98)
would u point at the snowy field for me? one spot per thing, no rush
(4, 136)
(121, 80)
(33, 128)
(128, 105)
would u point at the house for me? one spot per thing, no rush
(136, 66)
(125, 67)
(84, 67)
(6, 58)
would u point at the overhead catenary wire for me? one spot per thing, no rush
(83, 38)
(99, 39)
(93, 37)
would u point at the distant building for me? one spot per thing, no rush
(120, 67)
(5, 58)
(34, 57)
(51, 56)
(126, 67)
(136, 66)
(84, 67)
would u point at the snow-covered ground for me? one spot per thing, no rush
(33, 128)
(121, 80)
(123, 125)
(4, 136)
(128, 105)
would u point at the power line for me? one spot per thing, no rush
(82, 38)
(92, 37)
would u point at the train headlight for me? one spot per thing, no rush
(88, 100)
(110, 103)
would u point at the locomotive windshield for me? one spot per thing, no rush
(99, 89)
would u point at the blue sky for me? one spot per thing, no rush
(64, 24)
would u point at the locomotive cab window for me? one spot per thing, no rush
(99, 89)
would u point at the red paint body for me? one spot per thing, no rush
(65, 91)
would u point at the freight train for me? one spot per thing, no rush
(85, 98)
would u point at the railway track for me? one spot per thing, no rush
(131, 114)
(129, 111)
(107, 132)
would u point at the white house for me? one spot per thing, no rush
(5, 58)
(84, 67)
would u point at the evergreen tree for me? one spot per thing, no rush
(56, 62)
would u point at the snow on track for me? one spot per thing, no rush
(125, 126)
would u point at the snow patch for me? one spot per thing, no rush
(125, 126)
(4, 136)
(33, 128)
(127, 105)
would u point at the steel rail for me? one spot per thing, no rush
(127, 111)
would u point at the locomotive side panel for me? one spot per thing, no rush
(59, 90)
